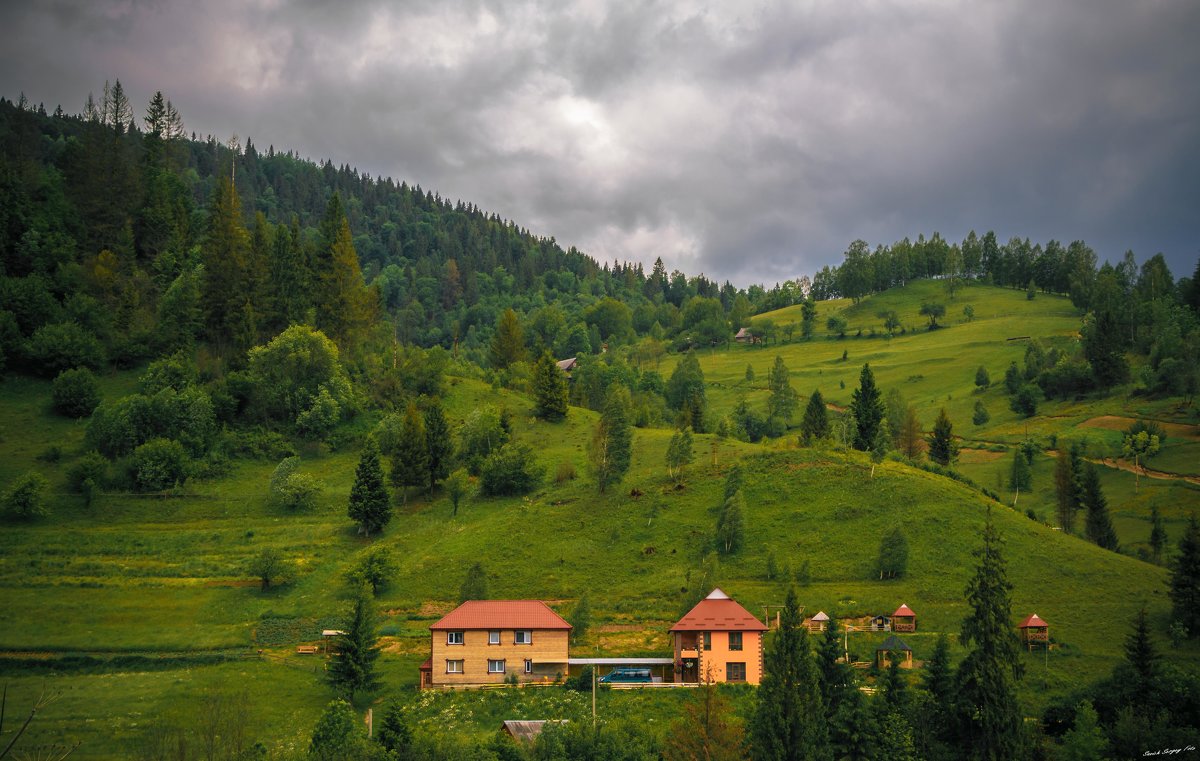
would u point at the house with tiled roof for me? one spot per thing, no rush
(492, 641)
(718, 641)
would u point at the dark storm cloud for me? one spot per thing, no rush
(752, 141)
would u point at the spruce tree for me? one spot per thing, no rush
(410, 460)
(225, 286)
(987, 676)
(836, 678)
(782, 402)
(1098, 527)
(611, 447)
(815, 424)
(1185, 580)
(1085, 741)
(1158, 534)
(438, 443)
(1141, 655)
(867, 406)
(937, 678)
(942, 448)
(788, 722)
(1067, 486)
(508, 342)
(549, 389)
(346, 308)
(685, 393)
(370, 503)
(352, 668)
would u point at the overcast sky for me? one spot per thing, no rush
(748, 140)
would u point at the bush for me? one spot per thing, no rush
(24, 500)
(319, 420)
(75, 392)
(291, 490)
(119, 427)
(376, 569)
(175, 372)
(981, 415)
(159, 464)
(565, 472)
(510, 471)
(92, 466)
(1026, 400)
(58, 347)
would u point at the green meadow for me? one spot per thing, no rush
(137, 609)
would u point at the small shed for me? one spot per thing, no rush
(904, 620)
(818, 623)
(893, 644)
(1034, 631)
(526, 731)
(744, 336)
(328, 635)
(567, 365)
(426, 673)
(880, 624)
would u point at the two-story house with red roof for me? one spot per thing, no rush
(490, 641)
(718, 641)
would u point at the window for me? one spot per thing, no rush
(495, 667)
(454, 638)
(522, 637)
(528, 665)
(735, 672)
(735, 640)
(708, 640)
(493, 638)
(454, 667)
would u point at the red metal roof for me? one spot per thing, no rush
(502, 614)
(427, 665)
(717, 613)
(904, 610)
(1032, 621)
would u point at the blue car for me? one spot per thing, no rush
(627, 675)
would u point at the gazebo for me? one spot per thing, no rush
(1034, 631)
(893, 644)
(818, 623)
(904, 620)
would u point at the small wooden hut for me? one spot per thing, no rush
(1034, 631)
(893, 644)
(818, 623)
(904, 620)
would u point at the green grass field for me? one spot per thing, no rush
(165, 577)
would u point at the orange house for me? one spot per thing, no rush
(493, 641)
(718, 641)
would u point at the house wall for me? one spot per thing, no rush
(475, 652)
(713, 660)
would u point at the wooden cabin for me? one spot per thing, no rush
(818, 623)
(718, 641)
(893, 644)
(904, 620)
(880, 624)
(1034, 631)
(489, 641)
(567, 365)
(744, 336)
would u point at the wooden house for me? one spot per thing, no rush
(880, 624)
(719, 641)
(904, 620)
(818, 623)
(1034, 631)
(490, 641)
(567, 365)
(893, 644)
(745, 336)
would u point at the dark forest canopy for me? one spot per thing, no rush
(147, 240)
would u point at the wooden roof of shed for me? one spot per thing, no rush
(527, 731)
(893, 643)
(904, 610)
(501, 614)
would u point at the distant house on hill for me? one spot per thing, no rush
(818, 623)
(745, 336)
(525, 732)
(718, 640)
(567, 365)
(488, 641)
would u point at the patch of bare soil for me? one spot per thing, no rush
(979, 455)
(1118, 423)
(431, 608)
(1128, 467)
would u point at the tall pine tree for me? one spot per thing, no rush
(226, 282)
(439, 446)
(352, 668)
(410, 460)
(788, 723)
(1099, 526)
(370, 503)
(1067, 493)
(942, 448)
(346, 308)
(549, 389)
(1185, 579)
(508, 342)
(867, 406)
(988, 710)
(816, 420)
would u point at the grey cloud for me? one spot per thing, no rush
(752, 141)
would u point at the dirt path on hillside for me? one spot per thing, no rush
(1127, 466)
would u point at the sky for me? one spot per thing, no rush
(750, 141)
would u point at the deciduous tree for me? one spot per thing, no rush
(611, 446)
(782, 402)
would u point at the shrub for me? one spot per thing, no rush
(75, 392)
(159, 464)
(981, 415)
(321, 417)
(24, 500)
(1026, 400)
(92, 466)
(117, 428)
(58, 347)
(300, 492)
(509, 471)
(376, 569)
(565, 472)
(175, 372)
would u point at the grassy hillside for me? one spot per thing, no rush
(161, 581)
